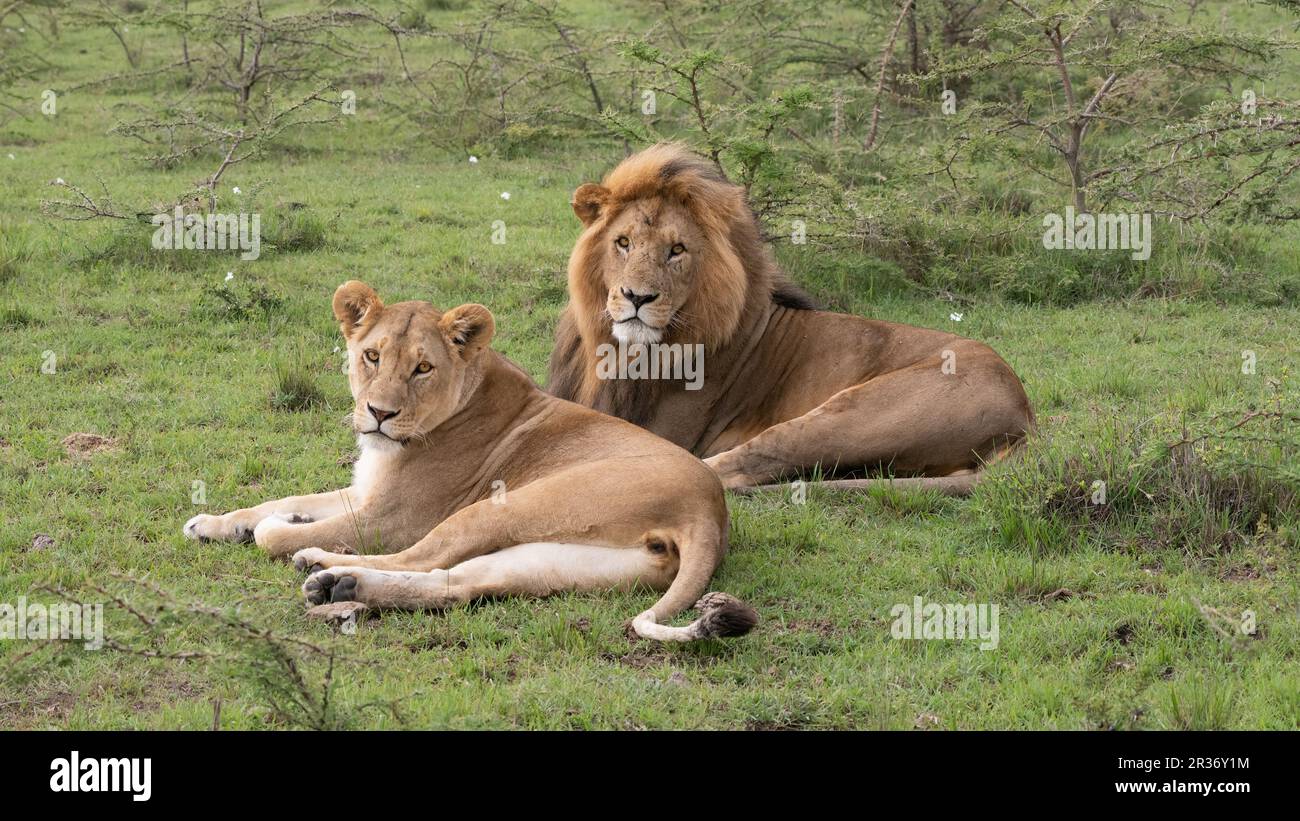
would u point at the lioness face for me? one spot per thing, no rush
(652, 248)
(409, 366)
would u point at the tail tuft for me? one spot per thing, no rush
(724, 616)
(721, 616)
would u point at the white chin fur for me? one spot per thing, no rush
(636, 332)
(377, 442)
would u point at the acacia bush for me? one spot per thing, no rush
(834, 114)
(932, 134)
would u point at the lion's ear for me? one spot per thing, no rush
(468, 328)
(588, 200)
(355, 305)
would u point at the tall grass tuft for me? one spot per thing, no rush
(296, 388)
(1124, 486)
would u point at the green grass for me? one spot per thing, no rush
(237, 385)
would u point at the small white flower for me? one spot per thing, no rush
(59, 181)
(473, 160)
(12, 157)
(336, 349)
(235, 189)
(955, 317)
(230, 275)
(505, 195)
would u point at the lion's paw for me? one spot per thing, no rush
(265, 530)
(731, 478)
(207, 528)
(329, 586)
(310, 559)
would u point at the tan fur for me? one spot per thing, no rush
(486, 486)
(787, 389)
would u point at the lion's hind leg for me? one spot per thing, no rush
(921, 421)
(961, 483)
(534, 569)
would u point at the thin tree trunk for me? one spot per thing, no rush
(913, 41)
(870, 142)
(185, 38)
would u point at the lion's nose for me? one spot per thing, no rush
(380, 414)
(636, 299)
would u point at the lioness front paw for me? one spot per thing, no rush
(309, 559)
(270, 533)
(313, 559)
(208, 528)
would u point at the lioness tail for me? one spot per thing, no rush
(721, 615)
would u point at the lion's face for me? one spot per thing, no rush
(408, 365)
(651, 250)
(664, 250)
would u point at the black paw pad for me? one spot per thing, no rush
(345, 589)
(317, 588)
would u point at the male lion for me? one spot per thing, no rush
(671, 254)
(490, 487)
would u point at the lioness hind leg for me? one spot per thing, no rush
(398, 589)
(535, 569)
(544, 510)
(923, 420)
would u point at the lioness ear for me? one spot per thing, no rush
(468, 328)
(355, 305)
(588, 200)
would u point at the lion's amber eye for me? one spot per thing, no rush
(423, 367)
(622, 242)
(372, 355)
(679, 249)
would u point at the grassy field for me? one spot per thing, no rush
(1108, 613)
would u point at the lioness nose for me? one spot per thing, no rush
(636, 299)
(380, 415)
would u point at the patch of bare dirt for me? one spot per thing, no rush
(48, 710)
(87, 444)
(926, 721)
(638, 659)
(822, 627)
(1060, 594)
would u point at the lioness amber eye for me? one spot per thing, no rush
(679, 249)
(423, 367)
(372, 356)
(622, 242)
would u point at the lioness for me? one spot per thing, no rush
(672, 254)
(490, 487)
